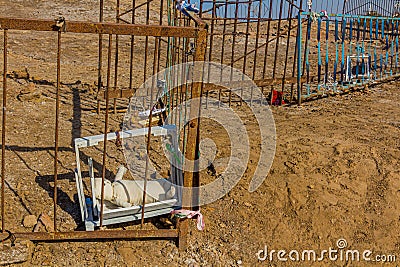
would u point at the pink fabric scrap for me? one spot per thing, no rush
(190, 214)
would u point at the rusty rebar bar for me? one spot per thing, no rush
(256, 50)
(257, 40)
(103, 176)
(267, 39)
(56, 137)
(210, 50)
(160, 39)
(132, 48)
(222, 53)
(295, 60)
(116, 57)
(3, 132)
(100, 65)
(233, 47)
(277, 45)
(246, 44)
(290, 14)
(146, 175)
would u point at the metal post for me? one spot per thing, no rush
(299, 43)
(103, 177)
(99, 68)
(3, 132)
(55, 196)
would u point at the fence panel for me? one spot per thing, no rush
(340, 52)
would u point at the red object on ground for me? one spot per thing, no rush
(277, 98)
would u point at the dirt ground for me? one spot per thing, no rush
(336, 173)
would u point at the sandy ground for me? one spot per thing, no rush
(335, 174)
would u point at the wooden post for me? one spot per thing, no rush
(191, 178)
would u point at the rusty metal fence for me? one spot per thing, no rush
(134, 65)
(257, 37)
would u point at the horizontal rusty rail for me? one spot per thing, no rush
(95, 235)
(127, 93)
(97, 27)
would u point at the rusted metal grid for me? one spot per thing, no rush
(260, 37)
(257, 37)
(261, 43)
(149, 32)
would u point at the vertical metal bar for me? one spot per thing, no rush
(290, 13)
(147, 160)
(267, 39)
(149, 136)
(357, 47)
(175, 60)
(363, 47)
(299, 42)
(256, 50)
(295, 56)
(277, 45)
(184, 88)
(159, 39)
(246, 46)
(116, 57)
(201, 8)
(99, 68)
(233, 44)
(247, 34)
(210, 50)
(397, 45)
(343, 49)
(132, 48)
(223, 47)
(55, 196)
(387, 47)
(257, 39)
(326, 51)
(103, 176)
(370, 41)
(146, 47)
(391, 45)
(306, 50)
(3, 131)
(336, 49)
(319, 51)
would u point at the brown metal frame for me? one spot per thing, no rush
(199, 33)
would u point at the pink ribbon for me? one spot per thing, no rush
(190, 214)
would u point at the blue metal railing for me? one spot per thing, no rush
(356, 50)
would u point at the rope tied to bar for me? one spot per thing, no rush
(190, 214)
(61, 25)
(315, 15)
